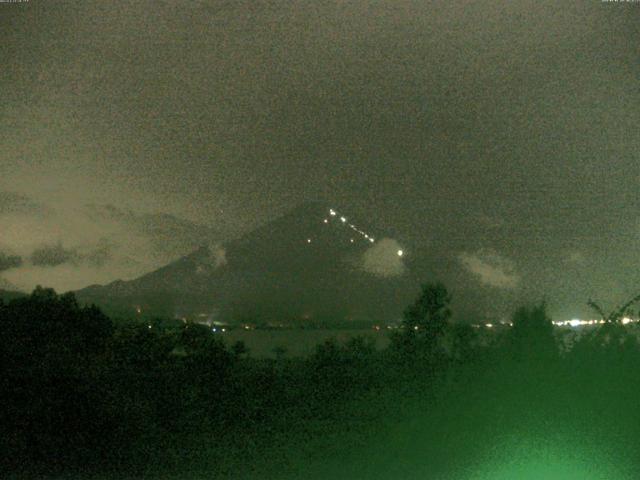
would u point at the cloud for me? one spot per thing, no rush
(382, 258)
(491, 268)
(68, 245)
(9, 261)
(167, 236)
(100, 255)
(576, 258)
(11, 202)
(219, 256)
(53, 255)
(6, 285)
(216, 257)
(62, 277)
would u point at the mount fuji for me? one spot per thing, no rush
(313, 265)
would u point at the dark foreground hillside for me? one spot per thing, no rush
(84, 398)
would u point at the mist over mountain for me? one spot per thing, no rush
(7, 286)
(16, 203)
(313, 264)
(293, 263)
(67, 246)
(169, 235)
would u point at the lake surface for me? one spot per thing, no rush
(298, 343)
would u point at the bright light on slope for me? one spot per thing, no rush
(343, 219)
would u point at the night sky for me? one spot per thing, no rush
(496, 142)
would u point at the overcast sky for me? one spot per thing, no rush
(502, 138)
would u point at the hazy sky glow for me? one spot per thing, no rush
(497, 137)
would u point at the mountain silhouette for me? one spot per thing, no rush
(304, 266)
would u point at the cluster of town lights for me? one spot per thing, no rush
(580, 323)
(565, 323)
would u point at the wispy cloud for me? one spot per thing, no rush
(8, 261)
(382, 258)
(490, 268)
(576, 258)
(217, 258)
(53, 255)
(72, 246)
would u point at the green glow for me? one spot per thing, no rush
(542, 469)
(551, 462)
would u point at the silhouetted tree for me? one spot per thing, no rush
(140, 348)
(531, 336)
(463, 339)
(359, 348)
(611, 339)
(50, 352)
(328, 353)
(425, 323)
(280, 351)
(239, 348)
(616, 315)
(45, 330)
(430, 312)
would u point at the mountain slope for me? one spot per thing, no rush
(306, 265)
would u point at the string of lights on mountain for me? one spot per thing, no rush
(333, 215)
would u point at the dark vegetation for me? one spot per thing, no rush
(84, 397)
